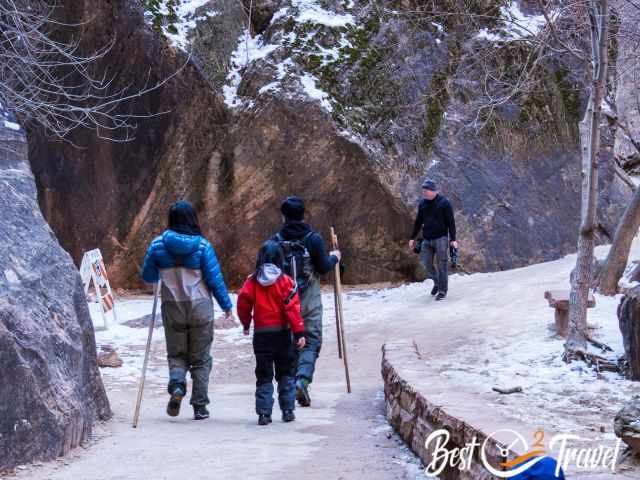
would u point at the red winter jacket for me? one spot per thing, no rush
(275, 305)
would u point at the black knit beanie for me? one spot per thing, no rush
(293, 209)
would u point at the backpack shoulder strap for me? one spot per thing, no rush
(292, 293)
(307, 237)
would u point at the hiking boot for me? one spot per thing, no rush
(200, 412)
(302, 392)
(264, 419)
(288, 416)
(441, 296)
(173, 408)
(434, 290)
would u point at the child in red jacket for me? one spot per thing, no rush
(271, 298)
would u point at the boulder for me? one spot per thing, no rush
(308, 156)
(109, 358)
(51, 392)
(626, 424)
(629, 321)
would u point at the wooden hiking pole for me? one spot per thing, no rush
(334, 246)
(136, 415)
(336, 308)
(337, 285)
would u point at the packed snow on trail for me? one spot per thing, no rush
(496, 329)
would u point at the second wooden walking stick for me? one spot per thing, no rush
(342, 343)
(336, 308)
(136, 415)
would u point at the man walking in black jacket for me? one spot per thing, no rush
(435, 218)
(315, 262)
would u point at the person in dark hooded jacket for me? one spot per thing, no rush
(187, 264)
(270, 299)
(295, 229)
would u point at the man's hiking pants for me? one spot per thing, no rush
(435, 257)
(188, 328)
(275, 357)
(311, 309)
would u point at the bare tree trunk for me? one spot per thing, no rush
(618, 257)
(576, 345)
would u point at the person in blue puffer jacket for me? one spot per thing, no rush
(187, 264)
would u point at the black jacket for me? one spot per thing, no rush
(322, 263)
(436, 219)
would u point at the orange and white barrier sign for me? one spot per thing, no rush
(94, 273)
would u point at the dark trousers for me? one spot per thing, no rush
(188, 328)
(275, 356)
(435, 257)
(311, 310)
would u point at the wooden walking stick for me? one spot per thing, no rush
(336, 309)
(339, 313)
(334, 246)
(136, 415)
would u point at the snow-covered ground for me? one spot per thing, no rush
(493, 330)
(526, 349)
(130, 341)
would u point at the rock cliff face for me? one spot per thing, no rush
(114, 195)
(349, 105)
(629, 322)
(51, 392)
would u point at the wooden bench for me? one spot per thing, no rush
(559, 299)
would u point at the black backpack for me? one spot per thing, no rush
(297, 260)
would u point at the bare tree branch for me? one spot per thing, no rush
(48, 82)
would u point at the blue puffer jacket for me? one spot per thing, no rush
(173, 251)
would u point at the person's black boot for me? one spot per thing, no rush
(441, 296)
(173, 408)
(200, 412)
(434, 290)
(264, 419)
(288, 416)
(302, 392)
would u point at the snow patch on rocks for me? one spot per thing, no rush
(310, 86)
(312, 11)
(248, 50)
(11, 125)
(187, 19)
(8, 120)
(517, 25)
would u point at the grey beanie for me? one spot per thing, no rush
(429, 185)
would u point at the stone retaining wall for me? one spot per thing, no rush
(414, 416)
